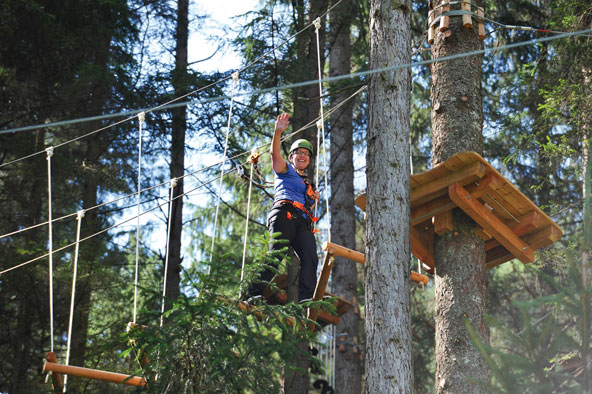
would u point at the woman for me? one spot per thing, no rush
(291, 215)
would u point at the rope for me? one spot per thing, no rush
(79, 217)
(321, 130)
(166, 259)
(262, 147)
(141, 117)
(50, 231)
(254, 158)
(234, 83)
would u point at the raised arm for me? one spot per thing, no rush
(278, 162)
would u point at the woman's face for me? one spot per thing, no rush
(301, 158)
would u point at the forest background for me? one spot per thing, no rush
(101, 61)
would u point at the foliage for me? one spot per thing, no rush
(546, 354)
(211, 343)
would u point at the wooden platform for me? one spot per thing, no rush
(324, 317)
(511, 225)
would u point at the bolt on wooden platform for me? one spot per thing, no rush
(510, 223)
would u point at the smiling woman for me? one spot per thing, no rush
(294, 198)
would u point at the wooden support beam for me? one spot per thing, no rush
(96, 374)
(487, 185)
(443, 223)
(437, 187)
(338, 250)
(57, 383)
(422, 245)
(525, 224)
(540, 239)
(319, 293)
(426, 211)
(490, 223)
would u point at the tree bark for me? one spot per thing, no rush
(460, 279)
(388, 334)
(177, 166)
(348, 369)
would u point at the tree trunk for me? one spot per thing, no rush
(348, 369)
(388, 321)
(460, 279)
(177, 166)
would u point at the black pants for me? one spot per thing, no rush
(296, 230)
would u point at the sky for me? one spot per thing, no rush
(204, 42)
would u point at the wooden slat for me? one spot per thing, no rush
(488, 184)
(437, 187)
(94, 374)
(490, 223)
(429, 209)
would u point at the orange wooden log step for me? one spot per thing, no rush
(358, 257)
(96, 374)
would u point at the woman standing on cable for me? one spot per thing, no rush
(291, 215)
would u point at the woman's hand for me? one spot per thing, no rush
(282, 123)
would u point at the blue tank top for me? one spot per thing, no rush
(289, 186)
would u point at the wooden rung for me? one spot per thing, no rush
(445, 20)
(437, 187)
(465, 5)
(338, 250)
(481, 26)
(419, 278)
(490, 223)
(431, 27)
(94, 374)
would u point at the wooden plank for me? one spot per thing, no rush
(96, 374)
(419, 278)
(490, 223)
(429, 209)
(422, 245)
(443, 223)
(437, 187)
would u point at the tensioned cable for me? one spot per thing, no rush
(109, 228)
(181, 195)
(335, 78)
(247, 220)
(234, 84)
(321, 130)
(166, 104)
(140, 122)
(80, 215)
(50, 231)
(191, 173)
(168, 241)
